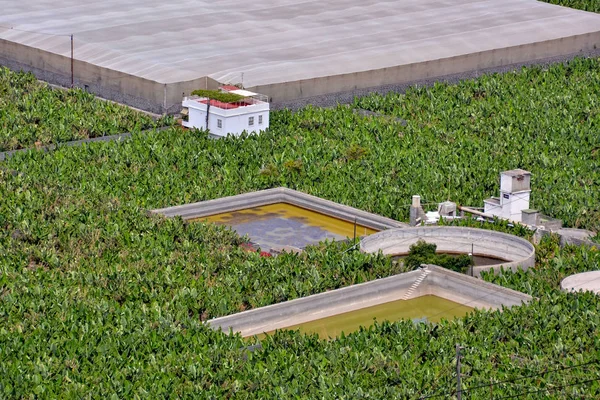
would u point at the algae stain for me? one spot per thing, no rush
(289, 211)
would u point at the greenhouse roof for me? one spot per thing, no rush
(280, 41)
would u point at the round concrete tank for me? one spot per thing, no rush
(585, 281)
(511, 251)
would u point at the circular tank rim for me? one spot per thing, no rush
(583, 281)
(517, 251)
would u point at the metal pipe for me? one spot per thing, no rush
(475, 212)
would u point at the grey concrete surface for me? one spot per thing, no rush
(585, 281)
(517, 252)
(569, 236)
(150, 52)
(432, 280)
(280, 195)
(576, 237)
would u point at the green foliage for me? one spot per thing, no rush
(424, 253)
(553, 264)
(31, 112)
(218, 95)
(100, 299)
(355, 152)
(459, 137)
(585, 5)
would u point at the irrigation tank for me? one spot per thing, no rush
(511, 251)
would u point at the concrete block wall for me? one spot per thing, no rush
(319, 86)
(166, 97)
(472, 292)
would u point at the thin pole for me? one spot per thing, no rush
(354, 229)
(472, 259)
(458, 385)
(207, 112)
(72, 77)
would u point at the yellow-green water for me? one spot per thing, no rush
(289, 211)
(427, 308)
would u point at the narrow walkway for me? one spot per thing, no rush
(8, 154)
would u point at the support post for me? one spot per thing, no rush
(72, 75)
(472, 255)
(415, 210)
(458, 385)
(207, 112)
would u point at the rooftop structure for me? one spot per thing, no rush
(148, 52)
(248, 113)
(515, 190)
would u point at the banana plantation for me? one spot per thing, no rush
(99, 298)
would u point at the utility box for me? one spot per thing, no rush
(515, 190)
(515, 180)
(447, 209)
(530, 217)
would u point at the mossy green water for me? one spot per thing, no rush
(425, 308)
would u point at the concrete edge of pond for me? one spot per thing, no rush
(430, 280)
(280, 195)
(582, 282)
(517, 252)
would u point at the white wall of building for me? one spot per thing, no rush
(492, 208)
(252, 119)
(196, 118)
(514, 203)
(514, 195)
(236, 124)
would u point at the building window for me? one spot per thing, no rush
(250, 121)
(260, 119)
(219, 123)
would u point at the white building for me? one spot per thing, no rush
(250, 113)
(515, 189)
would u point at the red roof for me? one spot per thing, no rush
(225, 106)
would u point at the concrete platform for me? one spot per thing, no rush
(149, 52)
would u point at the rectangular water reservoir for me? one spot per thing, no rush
(421, 309)
(283, 224)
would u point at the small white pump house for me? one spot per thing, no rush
(515, 189)
(250, 113)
